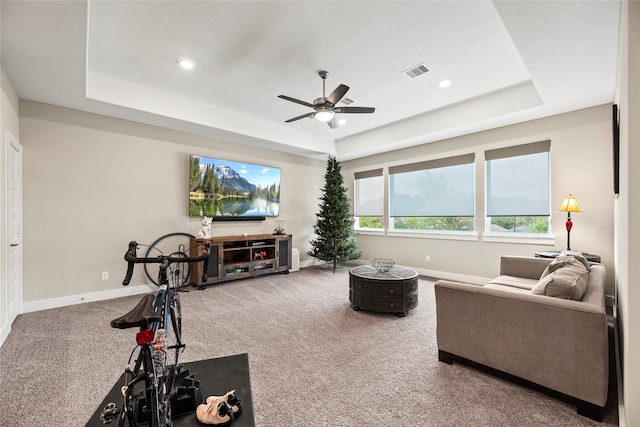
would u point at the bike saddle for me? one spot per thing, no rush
(141, 316)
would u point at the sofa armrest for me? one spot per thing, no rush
(523, 266)
(557, 343)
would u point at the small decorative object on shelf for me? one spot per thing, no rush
(382, 264)
(205, 230)
(279, 230)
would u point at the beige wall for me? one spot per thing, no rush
(92, 184)
(581, 164)
(627, 244)
(8, 123)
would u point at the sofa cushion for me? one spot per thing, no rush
(566, 277)
(506, 288)
(514, 282)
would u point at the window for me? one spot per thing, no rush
(369, 196)
(518, 189)
(436, 195)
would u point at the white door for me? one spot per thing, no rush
(14, 227)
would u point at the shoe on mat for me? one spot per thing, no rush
(230, 399)
(216, 413)
(109, 413)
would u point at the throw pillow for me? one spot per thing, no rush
(577, 255)
(566, 277)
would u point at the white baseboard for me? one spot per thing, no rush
(436, 274)
(46, 304)
(308, 263)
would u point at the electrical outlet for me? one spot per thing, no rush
(427, 258)
(105, 275)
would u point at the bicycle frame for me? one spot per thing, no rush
(152, 314)
(144, 361)
(155, 396)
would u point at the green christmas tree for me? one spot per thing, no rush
(334, 223)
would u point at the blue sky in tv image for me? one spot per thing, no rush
(261, 176)
(242, 189)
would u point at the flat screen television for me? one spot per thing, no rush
(228, 190)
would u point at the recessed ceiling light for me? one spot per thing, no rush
(342, 121)
(186, 63)
(444, 83)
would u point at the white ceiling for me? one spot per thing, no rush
(509, 61)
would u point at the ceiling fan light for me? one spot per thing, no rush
(186, 63)
(324, 115)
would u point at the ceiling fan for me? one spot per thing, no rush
(325, 107)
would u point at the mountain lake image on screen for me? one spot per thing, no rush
(227, 189)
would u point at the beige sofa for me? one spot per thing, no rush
(559, 344)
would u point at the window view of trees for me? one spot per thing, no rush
(370, 222)
(455, 223)
(520, 224)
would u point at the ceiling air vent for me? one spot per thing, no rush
(416, 71)
(347, 101)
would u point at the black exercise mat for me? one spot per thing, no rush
(216, 376)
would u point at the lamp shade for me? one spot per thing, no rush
(570, 204)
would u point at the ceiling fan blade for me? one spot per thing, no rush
(304, 116)
(337, 94)
(297, 101)
(354, 110)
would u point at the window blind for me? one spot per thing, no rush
(369, 198)
(435, 188)
(518, 180)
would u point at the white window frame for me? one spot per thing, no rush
(357, 206)
(510, 236)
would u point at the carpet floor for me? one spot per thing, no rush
(313, 360)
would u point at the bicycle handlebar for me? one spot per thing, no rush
(132, 259)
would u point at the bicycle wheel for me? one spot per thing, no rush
(153, 405)
(142, 399)
(173, 347)
(165, 245)
(178, 275)
(173, 329)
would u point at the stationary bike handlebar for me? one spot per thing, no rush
(132, 259)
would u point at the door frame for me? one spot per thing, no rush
(12, 310)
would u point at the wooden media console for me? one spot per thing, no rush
(239, 257)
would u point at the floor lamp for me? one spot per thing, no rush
(569, 205)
